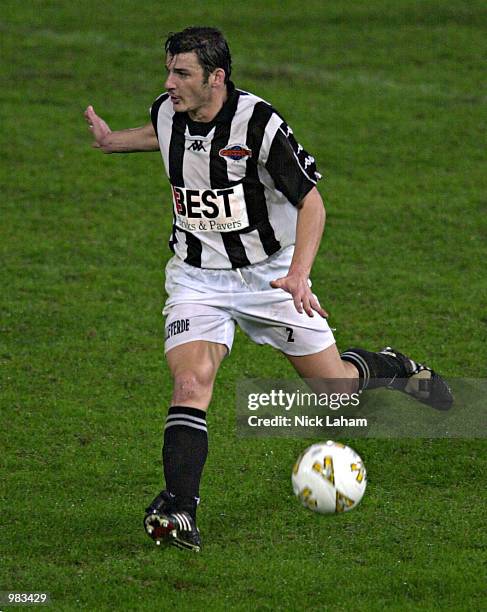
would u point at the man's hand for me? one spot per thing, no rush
(98, 127)
(304, 299)
(132, 140)
(309, 228)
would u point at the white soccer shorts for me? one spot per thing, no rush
(206, 304)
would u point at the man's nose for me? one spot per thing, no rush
(169, 84)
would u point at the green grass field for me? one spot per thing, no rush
(390, 98)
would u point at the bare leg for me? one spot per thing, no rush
(194, 366)
(327, 371)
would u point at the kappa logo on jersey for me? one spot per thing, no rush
(197, 145)
(210, 210)
(308, 161)
(177, 327)
(305, 160)
(237, 152)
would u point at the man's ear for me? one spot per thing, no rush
(217, 77)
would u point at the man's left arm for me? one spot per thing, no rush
(309, 230)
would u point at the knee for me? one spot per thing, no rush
(192, 384)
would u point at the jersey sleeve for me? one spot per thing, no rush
(291, 167)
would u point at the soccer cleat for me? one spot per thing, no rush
(162, 503)
(421, 382)
(187, 534)
(164, 524)
(176, 528)
(158, 528)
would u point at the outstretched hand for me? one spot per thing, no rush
(303, 297)
(98, 127)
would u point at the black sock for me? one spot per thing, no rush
(184, 454)
(375, 369)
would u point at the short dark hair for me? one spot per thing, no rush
(209, 45)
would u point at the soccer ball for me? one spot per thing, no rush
(329, 477)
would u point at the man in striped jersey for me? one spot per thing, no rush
(247, 223)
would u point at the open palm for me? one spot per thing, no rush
(97, 125)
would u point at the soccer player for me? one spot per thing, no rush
(247, 223)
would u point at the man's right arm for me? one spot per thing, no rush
(121, 141)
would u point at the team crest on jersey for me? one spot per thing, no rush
(237, 152)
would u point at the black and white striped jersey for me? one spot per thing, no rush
(236, 181)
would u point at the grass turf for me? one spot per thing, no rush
(389, 99)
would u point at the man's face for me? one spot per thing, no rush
(185, 82)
